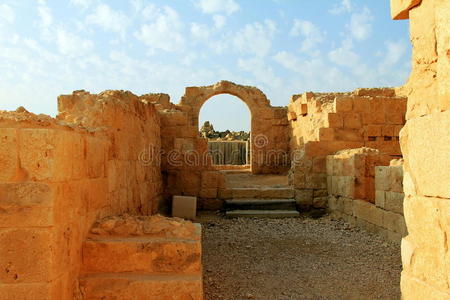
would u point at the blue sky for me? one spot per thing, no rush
(283, 47)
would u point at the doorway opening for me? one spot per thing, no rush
(225, 121)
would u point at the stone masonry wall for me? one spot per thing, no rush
(323, 123)
(187, 168)
(60, 175)
(352, 196)
(425, 143)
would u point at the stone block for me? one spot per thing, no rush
(130, 286)
(276, 193)
(394, 202)
(9, 154)
(373, 130)
(41, 291)
(343, 104)
(326, 134)
(304, 197)
(225, 193)
(184, 207)
(352, 120)
(28, 204)
(245, 192)
(143, 256)
(380, 198)
(428, 165)
(348, 134)
(394, 222)
(208, 193)
(334, 120)
(377, 112)
(332, 203)
(320, 202)
(26, 255)
(347, 206)
(368, 212)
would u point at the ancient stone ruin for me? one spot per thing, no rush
(81, 194)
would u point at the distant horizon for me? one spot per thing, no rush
(282, 47)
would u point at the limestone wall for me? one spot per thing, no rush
(354, 177)
(59, 175)
(323, 123)
(186, 166)
(425, 142)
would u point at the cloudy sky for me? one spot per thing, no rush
(283, 47)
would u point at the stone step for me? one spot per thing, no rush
(140, 287)
(272, 214)
(266, 192)
(260, 204)
(141, 255)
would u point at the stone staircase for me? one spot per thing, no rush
(139, 267)
(260, 202)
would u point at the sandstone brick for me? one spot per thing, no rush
(394, 222)
(9, 154)
(335, 120)
(352, 120)
(245, 192)
(326, 134)
(343, 104)
(368, 212)
(320, 202)
(377, 112)
(26, 255)
(184, 207)
(380, 198)
(124, 286)
(143, 256)
(42, 291)
(373, 130)
(27, 204)
(208, 193)
(394, 202)
(304, 198)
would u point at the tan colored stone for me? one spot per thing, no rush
(368, 212)
(184, 207)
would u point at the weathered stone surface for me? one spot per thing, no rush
(142, 255)
(129, 286)
(368, 212)
(26, 255)
(184, 207)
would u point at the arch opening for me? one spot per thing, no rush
(225, 120)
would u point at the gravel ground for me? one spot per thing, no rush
(300, 258)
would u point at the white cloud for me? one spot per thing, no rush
(7, 13)
(344, 55)
(219, 21)
(288, 60)
(199, 31)
(164, 33)
(72, 45)
(263, 73)
(218, 6)
(84, 3)
(109, 19)
(311, 34)
(394, 52)
(255, 38)
(345, 6)
(46, 16)
(360, 24)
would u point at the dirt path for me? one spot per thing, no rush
(298, 258)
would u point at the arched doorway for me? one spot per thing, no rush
(225, 121)
(265, 120)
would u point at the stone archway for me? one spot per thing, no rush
(264, 136)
